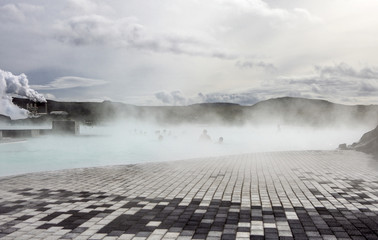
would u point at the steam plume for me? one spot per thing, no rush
(15, 85)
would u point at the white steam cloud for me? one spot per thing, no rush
(15, 85)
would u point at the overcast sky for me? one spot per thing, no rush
(178, 52)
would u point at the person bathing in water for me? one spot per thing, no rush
(204, 136)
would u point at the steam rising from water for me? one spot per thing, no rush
(129, 143)
(15, 85)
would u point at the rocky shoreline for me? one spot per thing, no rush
(367, 144)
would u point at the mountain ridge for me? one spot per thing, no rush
(283, 110)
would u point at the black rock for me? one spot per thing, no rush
(343, 146)
(368, 142)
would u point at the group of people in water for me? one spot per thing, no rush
(204, 137)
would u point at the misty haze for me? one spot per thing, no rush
(129, 142)
(178, 120)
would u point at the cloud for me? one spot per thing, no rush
(49, 96)
(80, 6)
(127, 32)
(261, 8)
(344, 70)
(70, 82)
(254, 6)
(84, 7)
(242, 98)
(91, 26)
(18, 12)
(252, 36)
(164, 97)
(253, 95)
(171, 98)
(98, 30)
(247, 97)
(87, 24)
(305, 14)
(338, 83)
(369, 87)
(269, 67)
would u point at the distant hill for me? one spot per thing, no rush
(286, 110)
(289, 110)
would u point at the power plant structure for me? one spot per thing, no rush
(62, 127)
(35, 109)
(38, 109)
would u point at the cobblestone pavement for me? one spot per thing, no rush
(286, 195)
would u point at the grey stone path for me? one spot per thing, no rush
(286, 195)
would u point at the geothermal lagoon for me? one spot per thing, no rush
(137, 142)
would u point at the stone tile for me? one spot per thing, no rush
(286, 195)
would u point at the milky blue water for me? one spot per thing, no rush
(138, 143)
